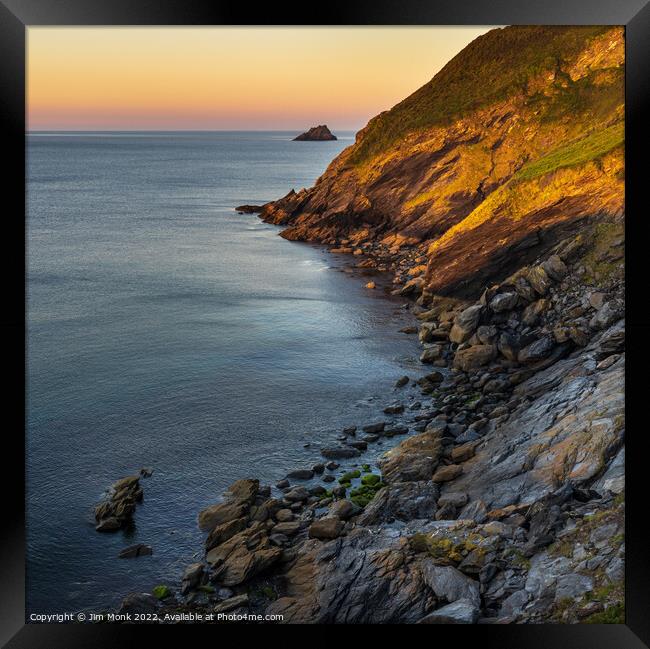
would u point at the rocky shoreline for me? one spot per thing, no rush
(503, 500)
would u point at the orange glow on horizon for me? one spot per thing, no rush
(208, 78)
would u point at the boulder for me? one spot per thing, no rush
(474, 357)
(326, 528)
(504, 302)
(449, 583)
(537, 350)
(466, 323)
(447, 473)
(462, 611)
(339, 452)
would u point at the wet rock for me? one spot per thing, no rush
(138, 550)
(318, 468)
(377, 427)
(117, 510)
(301, 474)
(231, 604)
(297, 494)
(237, 501)
(282, 484)
(340, 452)
(394, 409)
(360, 445)
(401, 382)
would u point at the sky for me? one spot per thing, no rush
(228, 78)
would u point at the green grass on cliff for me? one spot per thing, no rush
(588, 148)
(489, 69)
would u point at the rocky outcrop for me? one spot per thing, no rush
(117, 510)
(315, 134)
(515, 143)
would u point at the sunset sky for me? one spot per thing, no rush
(228, 78)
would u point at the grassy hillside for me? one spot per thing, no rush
(488, 70)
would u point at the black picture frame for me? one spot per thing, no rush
(17, 15)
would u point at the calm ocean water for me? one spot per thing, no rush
(167, 331)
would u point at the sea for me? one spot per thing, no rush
(168, 331)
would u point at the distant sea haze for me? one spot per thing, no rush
(167, 331)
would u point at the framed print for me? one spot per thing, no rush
(323, 319)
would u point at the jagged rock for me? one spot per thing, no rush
(536, 351)
(504, 302)
(301, 474)
(449, 583)
(462, 611)
(243, 556)
(315, 134)
(466, 323)
(237, 501)
(117, 510)
(606, 316)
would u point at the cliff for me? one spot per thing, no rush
(495, 196)
(515, 142)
